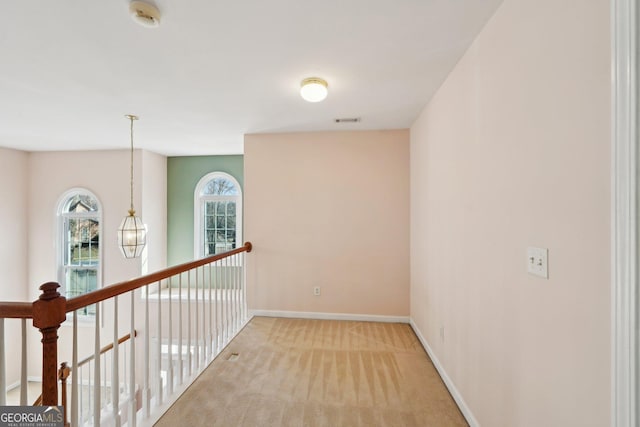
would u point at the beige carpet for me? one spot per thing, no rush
(293, 372)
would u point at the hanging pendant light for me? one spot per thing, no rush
(132, 233)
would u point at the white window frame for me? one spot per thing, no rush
(198, 210)
(61, 219)
(625, 228)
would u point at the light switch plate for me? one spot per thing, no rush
(538, 262)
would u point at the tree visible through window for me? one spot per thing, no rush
(79, 214)
(218, 203)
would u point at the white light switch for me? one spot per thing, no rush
(537, 262)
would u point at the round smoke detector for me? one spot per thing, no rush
(144, 14)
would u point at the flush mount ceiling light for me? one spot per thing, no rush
(313, 89)
(144, 14)
(132, 233)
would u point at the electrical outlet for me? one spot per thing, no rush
(316, 291)
(537, 262)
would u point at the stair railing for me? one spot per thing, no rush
(185, 314)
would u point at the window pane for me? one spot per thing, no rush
(220, 187)
(209, 208)
(83, 242)
(223, 247)
(80, 246)
(209, 249)
(231, 222)
(81, 203)
(80, 281)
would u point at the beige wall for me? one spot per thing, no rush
(328, 209)
(154, 206)
(14, 182)
(513, 151)
(105, 174)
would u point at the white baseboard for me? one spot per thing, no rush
(330, 316)
(466, 412)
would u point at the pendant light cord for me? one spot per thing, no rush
(131, 211)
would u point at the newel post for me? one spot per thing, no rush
(49, 311)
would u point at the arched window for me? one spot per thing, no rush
(79, 245)
(217, 214)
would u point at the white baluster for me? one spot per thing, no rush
(216, 308)
(3, 368)
(180, 361)
(197, 322)
(189, 346)
(80, 397)
(245, 308)
(230, 279)
(24, 384)
(75, 371)
(146, 392)
(234, 314)
(203, 333)
(170, 343)
(232, 301)
(204, 319)
(239, 289)
(227, 288)
(96, 374)
(222, 307)
(241, 284)
(115, 368)
(132, 363)
(240, 299)
(104, 396)
(90, 401)
(223, 311)
(159, 348)
(211, 331)
(234, 283)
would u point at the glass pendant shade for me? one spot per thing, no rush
(132, 236)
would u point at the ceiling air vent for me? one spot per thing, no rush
(348, 120)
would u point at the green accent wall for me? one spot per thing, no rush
(183, 174)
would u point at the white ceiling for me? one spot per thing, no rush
(215, 70)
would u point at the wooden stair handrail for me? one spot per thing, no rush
(24, 310)
(38, 401)
(16, 310)
(106, 348)
(111, 291)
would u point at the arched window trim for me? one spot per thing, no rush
(198, 210)
(61, 216)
